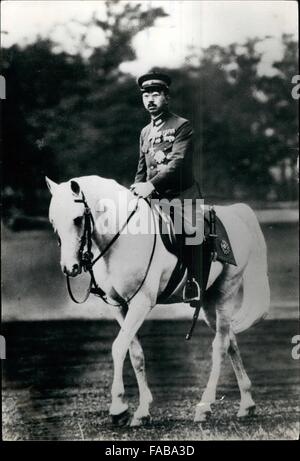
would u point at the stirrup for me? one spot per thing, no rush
(195, 297)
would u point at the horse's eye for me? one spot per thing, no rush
(78, 221)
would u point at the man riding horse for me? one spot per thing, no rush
(165, 170)
(238, 294)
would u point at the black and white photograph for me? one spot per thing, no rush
(149, 228)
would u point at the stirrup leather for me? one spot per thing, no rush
(196, 296)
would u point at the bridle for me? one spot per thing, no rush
(86, 256)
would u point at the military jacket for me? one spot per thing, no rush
(166, 156)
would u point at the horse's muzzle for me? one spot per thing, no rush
(76, 270)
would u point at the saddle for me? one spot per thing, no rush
(216, 247)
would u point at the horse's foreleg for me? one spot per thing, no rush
(219, 349)
(138, 364)
(247, 405)
(135, 316)
(137, 359)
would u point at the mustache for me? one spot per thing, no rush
(151, 105)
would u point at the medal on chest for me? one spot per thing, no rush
(157, 137)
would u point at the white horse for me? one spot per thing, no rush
(236, 298)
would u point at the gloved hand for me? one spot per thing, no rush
(142, 189)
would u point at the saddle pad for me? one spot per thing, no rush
(222, 242)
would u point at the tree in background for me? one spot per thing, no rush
(245, 123)
(66, 115)
(69, 115)
(37, 81)
(281, 124)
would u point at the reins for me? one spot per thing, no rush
(86, 257)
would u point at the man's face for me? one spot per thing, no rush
(155, 101)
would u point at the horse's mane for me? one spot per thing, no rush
(106, 184)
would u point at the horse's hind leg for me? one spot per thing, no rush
(135, 316)
(247, 405)
(138, 363)
(219, 349)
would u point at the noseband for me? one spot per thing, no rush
(86, 256)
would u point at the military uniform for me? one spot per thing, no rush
(166, 157)
(166, 160)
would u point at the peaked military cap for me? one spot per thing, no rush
(154, 80)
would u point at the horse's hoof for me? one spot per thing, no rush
(246, 412)
(202, 417)
(203, 413)
(121, 419)
(144, 421)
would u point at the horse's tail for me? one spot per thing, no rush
(256, 291)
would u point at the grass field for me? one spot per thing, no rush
(58, 374)
(57, 379)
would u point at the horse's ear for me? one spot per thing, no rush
(75, 187)
(51, 185)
